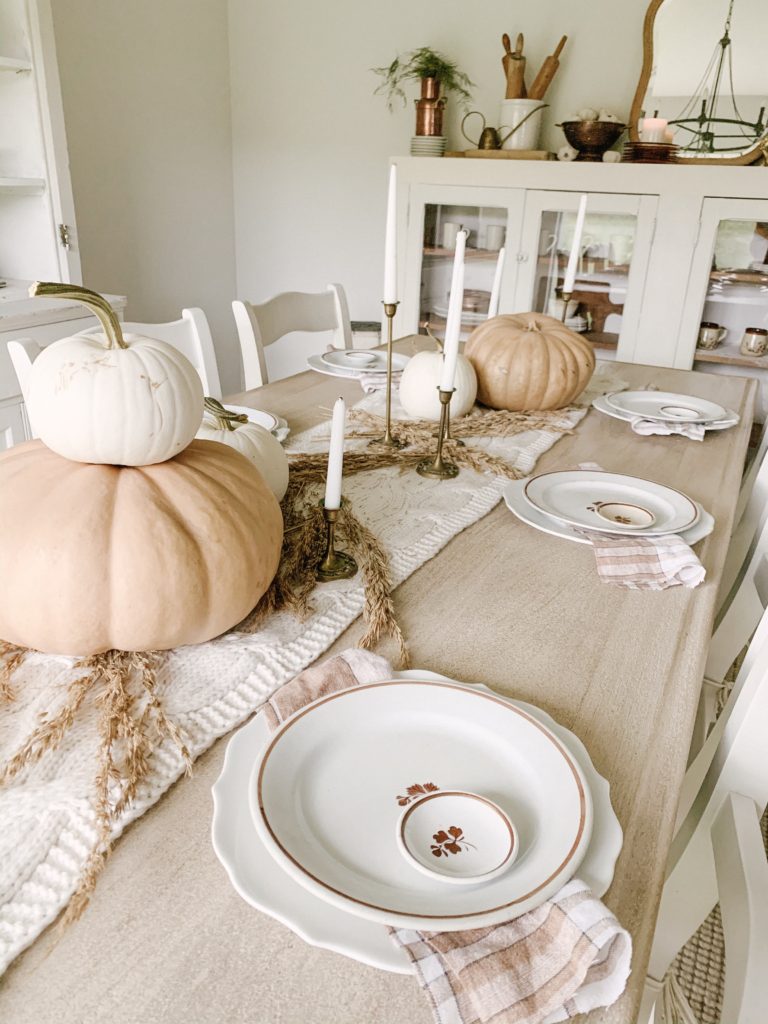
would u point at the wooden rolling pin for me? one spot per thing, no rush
(516, 71)
(543, 80)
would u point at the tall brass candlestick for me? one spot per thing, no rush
(440, 467)
(390, 308)
(336, 565)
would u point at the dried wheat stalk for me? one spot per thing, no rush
(11, 657)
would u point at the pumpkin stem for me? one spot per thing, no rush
(97, 304)
(225, 418)
(437, 341)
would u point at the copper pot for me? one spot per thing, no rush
(429, 109)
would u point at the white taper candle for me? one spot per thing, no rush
(335, 456)
(493, 305)
(453, 323)
(390, 240)
(573, 259)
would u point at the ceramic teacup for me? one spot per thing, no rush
(754, 341)
(710, 335)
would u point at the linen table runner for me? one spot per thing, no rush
(47, 823)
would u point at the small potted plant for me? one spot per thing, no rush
(437, 73)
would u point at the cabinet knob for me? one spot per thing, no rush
(522, 257)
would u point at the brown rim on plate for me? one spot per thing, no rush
(559, 472)
(575, 771)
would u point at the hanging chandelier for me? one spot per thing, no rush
(700, 116)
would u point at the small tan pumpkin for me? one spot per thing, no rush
(136, 558)
(529, 361)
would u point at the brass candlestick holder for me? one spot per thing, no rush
(336, 565)
(566, 297)
(440, 468)
(390, 308)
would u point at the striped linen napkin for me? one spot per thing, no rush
(568, 956)
(645, 563)
(693, 431)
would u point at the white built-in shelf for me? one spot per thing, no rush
(12, 64)
(22, 186)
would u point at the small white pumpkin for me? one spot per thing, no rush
(251, 440)
(112, 399)
(419, 381)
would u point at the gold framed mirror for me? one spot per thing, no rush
(704, 72)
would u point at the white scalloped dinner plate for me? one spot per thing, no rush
(399, 362)
(515, 500)
(602, 405)
(666, 406)
(262, 883)
(327, 794)
(574, 496)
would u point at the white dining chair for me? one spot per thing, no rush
(718, 850)
(751, 513)
(260, 325)
(191, 335)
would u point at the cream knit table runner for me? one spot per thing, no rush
(47, 825)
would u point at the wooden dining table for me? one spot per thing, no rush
(167, 939)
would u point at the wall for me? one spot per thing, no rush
(145, 86)
(311, 143)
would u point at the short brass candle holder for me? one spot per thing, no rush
(440, 467)
(336, 565)
(566, 297)
(390, 308)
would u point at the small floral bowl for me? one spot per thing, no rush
(458, 837)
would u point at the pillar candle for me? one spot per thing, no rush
(493, 305)
(653, 129)
(335, 456)
(390, 240)
(453, 323)
(573, 258)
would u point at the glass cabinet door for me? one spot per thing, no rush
(492, 218)
(725, 321)
(615, 247)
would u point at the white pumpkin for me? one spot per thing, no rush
(251, 440)
(419, 381)
(105, 398)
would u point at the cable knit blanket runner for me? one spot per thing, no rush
(47, 823)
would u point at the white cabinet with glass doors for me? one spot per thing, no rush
(665, 249)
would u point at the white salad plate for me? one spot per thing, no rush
(576, 497)
(262, 883)
(666, 406)
(514, 496)
(350, 359)
(328, 791)
(274, 424)
(317, 362)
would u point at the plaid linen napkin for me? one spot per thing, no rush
(566, 957)
(693, 431)
(643, 563)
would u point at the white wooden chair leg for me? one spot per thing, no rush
(742, 880)
(648, 1003)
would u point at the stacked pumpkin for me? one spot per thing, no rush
(118, 529)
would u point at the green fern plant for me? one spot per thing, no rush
(422, 63)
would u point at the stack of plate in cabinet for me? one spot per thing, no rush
(577, 505)
(414, 802)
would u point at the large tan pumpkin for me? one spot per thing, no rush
(529, 361)
(138, 558)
